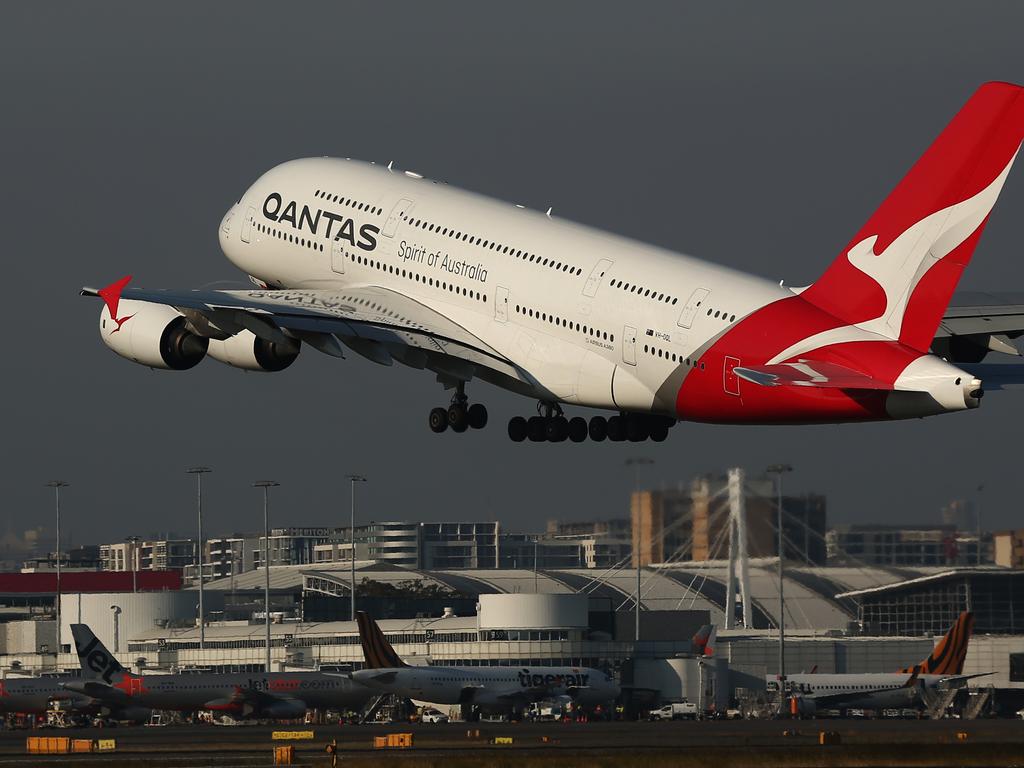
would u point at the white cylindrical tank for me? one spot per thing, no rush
(519, 611)
(139, 612)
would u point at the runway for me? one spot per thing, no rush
(761, 743)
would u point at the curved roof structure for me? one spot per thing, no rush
(816, 598)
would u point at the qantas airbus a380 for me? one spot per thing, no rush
(398, 268)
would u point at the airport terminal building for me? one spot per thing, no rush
(837, 619)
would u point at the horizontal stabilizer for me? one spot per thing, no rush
(997, 376)
(809, 373)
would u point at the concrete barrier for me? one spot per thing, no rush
(284, 755)
(47, 745)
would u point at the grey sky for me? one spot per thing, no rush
(758, 135)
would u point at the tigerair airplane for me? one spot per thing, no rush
(401, 269)
(493, 689)
(886, 690)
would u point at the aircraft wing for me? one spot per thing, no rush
(808, 373)
(975, 313)
(363, 318)
(94, 689)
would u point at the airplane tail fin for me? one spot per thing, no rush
(947, 658)
(898, 273)
(705, 640)
(97, 662)
(377, 651)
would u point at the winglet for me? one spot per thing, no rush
(111, 295)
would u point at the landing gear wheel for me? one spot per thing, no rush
(577, 429)
(517, 429)
(636, 429)
(458, 417)
(477, 416)
(438, 420)
(616, 429)
(557, 429)
(536, 429)
(659, 432)
(598, 428)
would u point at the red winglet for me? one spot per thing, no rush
(111, 295)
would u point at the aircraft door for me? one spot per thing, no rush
(629, 345)
(401, 207)
(694, 303)
(501, 304)
(596, 274)
(730, 381)
(250, 217)
(338, 257)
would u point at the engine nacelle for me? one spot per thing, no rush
(283, 710)
(249, 352)
(154, 335)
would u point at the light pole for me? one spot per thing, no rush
(57, 485)
(133, 550)
(636, 463)
(779, 470)
(353, 479)
(266, 485)
(199, 472)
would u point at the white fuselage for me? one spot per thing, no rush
(870, 690)
(492, 688)
(542, 292)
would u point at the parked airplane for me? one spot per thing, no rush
(282, 695)
(37, 695)
(501, 690)
(399, 268)
(884, 690)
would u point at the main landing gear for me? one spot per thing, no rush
(551, 425)
(460, 415)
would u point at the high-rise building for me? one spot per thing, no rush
(1008, 548)
(914, 545)
(691, 522)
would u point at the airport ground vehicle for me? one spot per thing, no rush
(675, 711)
(432, 715)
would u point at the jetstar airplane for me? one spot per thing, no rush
(36, 695)
(398, 268)
(942, 669)
(501, 690)
(273, 695)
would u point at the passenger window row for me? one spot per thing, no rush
(544, 317)
(723, 315)
(645, 292)
(288, 237)
(664, 354)
(417, 277)
(349, 202)
(533, 258)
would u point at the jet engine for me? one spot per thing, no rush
(154, 335)
(249, 352)
(283, 710)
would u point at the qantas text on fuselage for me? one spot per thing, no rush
(401, 269)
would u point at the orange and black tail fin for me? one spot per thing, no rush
(377, 651)
(947, 658)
